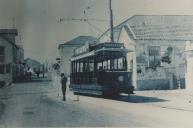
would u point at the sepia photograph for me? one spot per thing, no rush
(96, 63)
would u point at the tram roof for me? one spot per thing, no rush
(97, 48)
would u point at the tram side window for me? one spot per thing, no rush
(86, 67)
(108, 64)
(74, 67)
(91, 67)
(105, 65)
(99, 65)
(81, 67)
(77, 67)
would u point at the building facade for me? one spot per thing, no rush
(66, 51)
(8, 55)
(19, 65)
(158, 42)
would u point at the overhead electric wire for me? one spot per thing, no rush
(94, 26)
(82, 19)
(86, 19)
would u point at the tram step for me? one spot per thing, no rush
(89, 87)
(95, 92)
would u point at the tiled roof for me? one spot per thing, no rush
(8, 31)
(7, 35)
(159, 27)
(31, 62)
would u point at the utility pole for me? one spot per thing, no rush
(111, 20)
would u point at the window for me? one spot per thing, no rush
(2, 69)
(81, 67)
(99, 65)
(77, 67)
(8, 68)
(154, 56)
(120, 63)
(167, 57)
(105, 65)
(114, 64)
(74, 67)
(2, 53)
(108, 64)
(91, 66)
(86, 66)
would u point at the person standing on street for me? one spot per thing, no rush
(63, 83)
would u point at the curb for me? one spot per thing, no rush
(2, 109)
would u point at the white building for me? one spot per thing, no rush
(158, 42)
(8, 55)
(66, 51)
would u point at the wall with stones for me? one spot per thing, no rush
(167, 72)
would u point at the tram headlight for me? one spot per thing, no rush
(121, 78)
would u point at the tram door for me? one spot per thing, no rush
(101, 73)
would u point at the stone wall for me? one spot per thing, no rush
(171, 71)
(153, 84)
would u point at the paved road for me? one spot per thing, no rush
(38, 105)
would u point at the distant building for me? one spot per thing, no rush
(66, 51)
(33, 65)
(158, 42)
(8, 55)
(18, 67)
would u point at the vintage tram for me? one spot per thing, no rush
(100, 69)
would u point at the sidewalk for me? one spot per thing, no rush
(2, 107)
(171, 99)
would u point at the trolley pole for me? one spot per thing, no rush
(111, 20)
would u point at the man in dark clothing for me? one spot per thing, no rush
(101, 76)
(63, 83)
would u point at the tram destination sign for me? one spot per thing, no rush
(82, 49)
(110, 45)
(85, 48)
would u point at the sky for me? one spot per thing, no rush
(41, 33)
